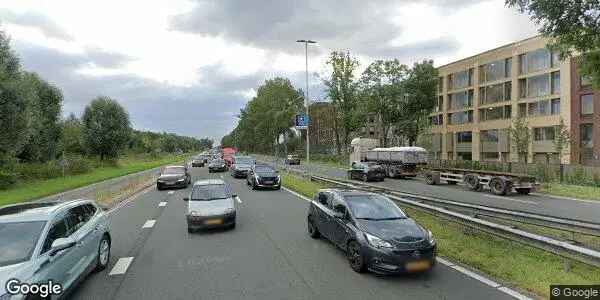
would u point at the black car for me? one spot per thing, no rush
(373, 231)
(263, 176)
(366, 171)
(217, 165)
(173, 176)
(241, 165)
(198, 162)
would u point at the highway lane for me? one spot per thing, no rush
(268, 256)
(564, 208)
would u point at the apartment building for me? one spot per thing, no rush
(480, 96)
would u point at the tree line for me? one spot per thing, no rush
(397, 96)
(33, 131)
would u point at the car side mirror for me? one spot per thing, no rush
(186, 199)
(340, 209)
(61, 244)
(322, 199)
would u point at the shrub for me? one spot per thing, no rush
(78, 165)
(7, 179)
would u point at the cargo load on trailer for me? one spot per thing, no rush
(396, 161)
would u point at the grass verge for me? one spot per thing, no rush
(40, 188)
(513, 263)
(571, 191)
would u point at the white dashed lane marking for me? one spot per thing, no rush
(149, 224)
(162, 204)
(121, 266)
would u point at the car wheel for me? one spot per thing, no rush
(355, 257)
(365, 178)
(103, 254)
(313, 232)
(190, 230)
(278, 188)
(254, 187)
(232, 226)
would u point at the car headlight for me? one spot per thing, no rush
(180, 180)
(430, 237)
(377, 242)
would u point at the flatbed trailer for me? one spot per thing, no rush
(499, 183)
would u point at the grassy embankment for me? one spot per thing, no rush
(571, 191)
(512, 263)
(39, 188)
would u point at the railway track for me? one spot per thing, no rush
(497, 221)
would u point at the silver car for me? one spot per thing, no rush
(58, 242)
(210, 204)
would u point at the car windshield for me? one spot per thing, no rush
(18, 241)
(174, 170)
(263, 170)
(218, 161)
(210, 192)
(244, 161)
(374, 207)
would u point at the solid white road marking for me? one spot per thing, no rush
(171, 192)
(149, 224)
(444, 262)
(476, 276)
(121, 266)
(162, 204)
(511, 199)
(514, 293)
(296, 194)
(565, 198)
(238, 200)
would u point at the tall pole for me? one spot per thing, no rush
(307, 115)
(307, 103)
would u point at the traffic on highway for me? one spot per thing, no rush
(222, 237)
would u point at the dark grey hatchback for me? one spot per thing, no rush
(375, 233)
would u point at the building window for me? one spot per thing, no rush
(460, 100)
(544, 133)
(535, 61)
(495, 70)
(587, 104)
(437, 120)
(462, 117)
(490, 156)
(495, 113)
(555, 59)
(586, 136)
(439, 104)
(464, 137)
(495, 93)
(460, 80)
(489, 136)
(522, 110)
(440, 85)
(538, 86)
(555, 107)
(555, 83)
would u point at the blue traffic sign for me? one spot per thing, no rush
(302, 121)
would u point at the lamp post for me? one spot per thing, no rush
(306, 103)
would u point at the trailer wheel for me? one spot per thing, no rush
(472, 181)
(523, 191)
(498, 186)
(432, 178)
(391, 173)
(451, 182)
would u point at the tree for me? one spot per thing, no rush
(382, 84)
(106, 127)
(72, 137)
(341, 89)
(45, 129)
(420, 97)
(573, 27)
(520, 136)
(562, 138)
(15, 105)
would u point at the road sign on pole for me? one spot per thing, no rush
(302, 121)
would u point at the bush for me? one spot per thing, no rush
(78, 165)
(7, 179)
(32, 171)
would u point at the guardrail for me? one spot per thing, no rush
(561, 248)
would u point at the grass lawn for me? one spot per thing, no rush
(40, 188)
(572, 191)
(528, 268)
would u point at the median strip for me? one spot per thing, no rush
(149, 224)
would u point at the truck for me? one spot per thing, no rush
(397, 162)
(499, 183)
(228, 153)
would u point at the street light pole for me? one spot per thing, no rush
(306, 102)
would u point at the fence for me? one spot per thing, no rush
(571, 174)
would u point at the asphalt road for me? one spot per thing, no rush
(267, 256)
(563, 208)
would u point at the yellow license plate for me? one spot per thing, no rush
(417, 266)
(213, 222)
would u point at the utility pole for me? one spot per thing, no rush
(307, 103)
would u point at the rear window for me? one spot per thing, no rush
(174, 170)
(263, 169)
(18, 241)
(210, 192)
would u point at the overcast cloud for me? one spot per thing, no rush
(189, 66)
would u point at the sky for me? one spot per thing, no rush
(189, 66)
